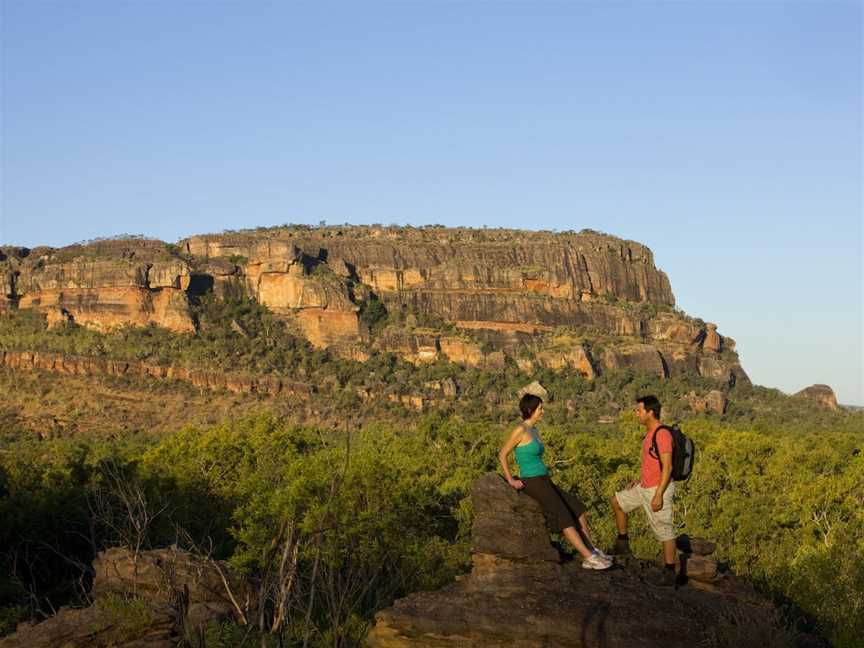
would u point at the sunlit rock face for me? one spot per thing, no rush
(821, 394)
(492, 279)
(102, 285)
(583, 302)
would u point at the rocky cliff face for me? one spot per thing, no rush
(501, 281)
(103, 285)
(390, 260)
(470, 296)
(506, 289)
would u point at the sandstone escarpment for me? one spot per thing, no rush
(428, 259)
(104, 285)
(501, 287)
(493, 280)
(477, 297)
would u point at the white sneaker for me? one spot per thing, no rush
(595, 562)
(603, 555)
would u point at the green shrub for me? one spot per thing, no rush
(128, 618)
(373, 313)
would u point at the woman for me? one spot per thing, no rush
(561, 509)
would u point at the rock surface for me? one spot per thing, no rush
(508, 524)
(821, 394)
(211, 380)
(175, 591)
(427, 260)
(714, 401)
(103, 285)
(524, 597)
(642, 357)
(482, 295)
(534, 388)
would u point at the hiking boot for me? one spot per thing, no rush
(667, 579)
(621, 548)
(595, 562)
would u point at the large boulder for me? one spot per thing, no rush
(100, 625)
(821, 394)
(150, 574)
(507, 523)
(535, 389)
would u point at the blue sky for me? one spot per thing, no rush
(726, 136)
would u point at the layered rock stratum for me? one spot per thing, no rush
(102, 285)
(585, 302)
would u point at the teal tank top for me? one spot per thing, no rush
(529, 459)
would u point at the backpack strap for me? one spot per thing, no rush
(654, 451)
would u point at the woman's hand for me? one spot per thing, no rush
(516, 483)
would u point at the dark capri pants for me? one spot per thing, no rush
(561, 509)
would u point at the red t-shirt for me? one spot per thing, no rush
(650, 465)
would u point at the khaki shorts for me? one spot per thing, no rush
(660, 521)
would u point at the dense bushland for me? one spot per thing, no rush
(378, 511)
(377, 507)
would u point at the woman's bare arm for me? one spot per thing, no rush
(512, 441)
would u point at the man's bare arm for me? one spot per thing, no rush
(665, 478)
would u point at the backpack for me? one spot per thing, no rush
(683, 452)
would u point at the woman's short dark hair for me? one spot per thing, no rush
(528, 404)
(651, 404)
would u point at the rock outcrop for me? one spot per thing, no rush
(821, 394)
(103, 285)
(212, 380)
(434, 260)
(714, 401)
(507, 525)
(476, 297)
(173, 593)
(534, 388)
(641, 357)
(521, 593)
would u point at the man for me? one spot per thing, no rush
(654, 491)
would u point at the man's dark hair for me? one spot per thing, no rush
(651, 404)
(528, 404)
